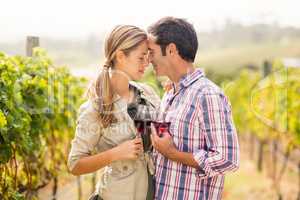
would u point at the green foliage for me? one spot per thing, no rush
(156, 84)
(268, 107)
(38, 104)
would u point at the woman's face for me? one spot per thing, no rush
(135, 63)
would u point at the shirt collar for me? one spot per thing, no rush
(137, 90)
(190, 78)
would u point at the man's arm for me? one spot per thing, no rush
(222, 154)
(184, 158)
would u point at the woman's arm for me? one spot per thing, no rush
(87, 135)
(127, 150)
(92, 163)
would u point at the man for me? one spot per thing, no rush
(202, 144)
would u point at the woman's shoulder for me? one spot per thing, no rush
(148, 92)
(145, 88)
(88, 111)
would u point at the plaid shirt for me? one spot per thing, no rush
(201, 123)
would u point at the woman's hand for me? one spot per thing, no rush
(129, 150)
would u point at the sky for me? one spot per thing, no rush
(77, 19)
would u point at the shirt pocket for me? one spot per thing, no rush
(123, 169)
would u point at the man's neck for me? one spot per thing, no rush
(180, 71)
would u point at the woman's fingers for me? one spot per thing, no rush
(152, 140)
(138, 147)
(138, 144)
(137, 140)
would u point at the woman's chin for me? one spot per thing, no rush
(136, 78)
(139, 76)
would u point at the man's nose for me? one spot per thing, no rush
(149, 57)
(146, 64)
(146, 61)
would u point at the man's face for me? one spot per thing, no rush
(160, 63)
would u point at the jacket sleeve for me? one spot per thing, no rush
(87, 134)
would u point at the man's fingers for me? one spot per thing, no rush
(165, 134)
(153, 140)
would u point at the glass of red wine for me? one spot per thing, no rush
(143, 127)
(144, 130)
(161, 127)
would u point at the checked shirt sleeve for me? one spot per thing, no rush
(222, 152)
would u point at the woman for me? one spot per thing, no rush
(106, 137)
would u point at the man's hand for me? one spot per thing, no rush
(166, 147)
(164, 144)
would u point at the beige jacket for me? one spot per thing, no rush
(121, 180)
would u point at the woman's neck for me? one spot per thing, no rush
(120, 84)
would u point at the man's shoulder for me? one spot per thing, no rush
(205, 86)
(207, 89)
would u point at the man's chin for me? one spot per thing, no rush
(159, 75)
(157, 72)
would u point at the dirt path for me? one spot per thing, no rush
(68, 188)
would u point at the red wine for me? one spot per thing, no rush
(142, 126)
(161, 127)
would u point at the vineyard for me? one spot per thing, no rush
(38, 105)
(266, 111)
(39, 102)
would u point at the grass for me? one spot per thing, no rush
(249, 184)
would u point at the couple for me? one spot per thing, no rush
(189, 160)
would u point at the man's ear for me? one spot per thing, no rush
(171, 49)
(120, 56)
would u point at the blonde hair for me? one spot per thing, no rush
(125, 38)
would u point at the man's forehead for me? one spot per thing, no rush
(151, 41)
(151, 38)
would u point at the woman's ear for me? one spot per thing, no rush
(120, 56)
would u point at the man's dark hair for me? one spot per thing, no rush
(178, 31)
